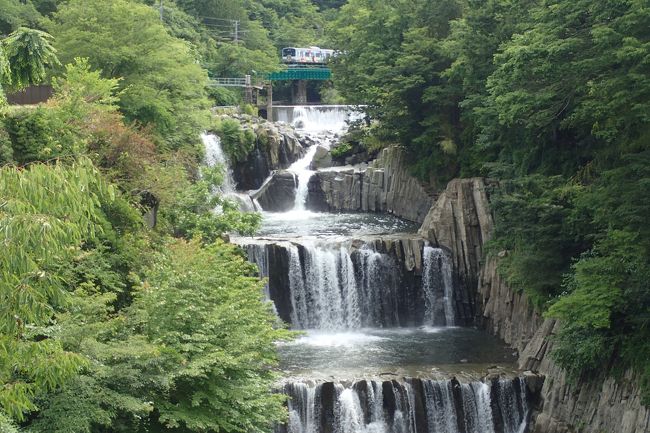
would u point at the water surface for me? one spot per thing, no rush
(306, 223)
(402, 351)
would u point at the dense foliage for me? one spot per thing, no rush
(552, 97)
(107, 323)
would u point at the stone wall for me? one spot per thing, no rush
(384, 186)
(461, 221)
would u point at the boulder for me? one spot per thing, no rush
(278, 194)
(322, 158)
(277, 146)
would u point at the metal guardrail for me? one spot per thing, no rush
(230, 82)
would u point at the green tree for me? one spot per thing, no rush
(15, 14)
(46, 213)
(161, 84)
(203, 305)
(393, 61)
(24, 56)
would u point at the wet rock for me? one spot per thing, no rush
(534, 382)
(276, 147)
(278, 194)
(327, 408)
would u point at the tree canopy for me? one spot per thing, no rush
(550, 97)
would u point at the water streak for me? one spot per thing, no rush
(333, 287)
(301, 170)
(215, 156)
(437, 284)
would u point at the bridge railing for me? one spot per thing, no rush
(229, 82)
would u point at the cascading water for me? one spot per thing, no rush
(302, 173)
(333, 287)
(437, 284)
(258, 254)
(380, 304)
(338, 285)
(410, 406)
(323, 124)
(214, 155)
(331, 119)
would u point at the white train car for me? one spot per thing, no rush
(308, 56)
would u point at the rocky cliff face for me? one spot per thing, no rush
(277, 146)
(602, 405)
(383, 186)
(461, 221)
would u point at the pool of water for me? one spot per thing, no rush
(305, 223)
(406, 351)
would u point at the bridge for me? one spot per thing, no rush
(299, 75)
(302, 73)
(289, 74)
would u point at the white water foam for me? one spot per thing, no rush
(336, 339)
(214, 155)
(302, 173)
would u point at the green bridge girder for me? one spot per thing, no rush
(301, 74)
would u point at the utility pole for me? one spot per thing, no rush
(161, 10)
(236, 30)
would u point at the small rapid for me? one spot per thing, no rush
(323, 124)
(302, 174)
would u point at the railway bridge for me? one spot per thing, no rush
(299, 75)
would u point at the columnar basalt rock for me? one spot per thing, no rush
(383, 186)
(461, 221)
(278, 194)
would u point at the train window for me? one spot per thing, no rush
(288, 52)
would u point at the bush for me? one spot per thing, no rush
(342, 150)
(236, 142)
(224, 96)
(41, 134)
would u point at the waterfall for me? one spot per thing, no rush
(259, 255)
(334, 287)
(477, 408)
(302, 407)
(513, 406)
(317, 118)
(214, 155)
(441, 411)
(302, 173)
(437, 285)
(411, 406)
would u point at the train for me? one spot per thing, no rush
(306, 56)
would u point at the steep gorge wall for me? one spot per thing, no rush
(461, 221)
(384, 186)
